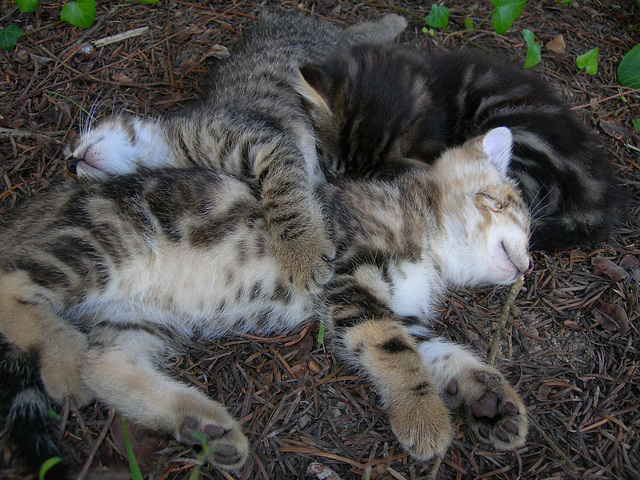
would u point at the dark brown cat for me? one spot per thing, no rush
(379, 109)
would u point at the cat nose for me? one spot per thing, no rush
(70, 164)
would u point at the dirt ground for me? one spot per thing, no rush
(571, 349)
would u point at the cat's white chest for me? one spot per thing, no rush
(416, 286)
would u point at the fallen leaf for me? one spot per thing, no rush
(630, 261)
(572, 324)
(266, 380)
(631, 265)
(615, 129)
(314, 367)
(122, 77)
(183, 36)
(322, 472)
(544, 391)
(300, 348)
(557, 45)
(606, 266)
(299, 369)
(22, 56)
(613, 318)
(80, 53)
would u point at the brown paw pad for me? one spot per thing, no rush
(192, 426)
(490, 407)
(226, 454)
(486, 406)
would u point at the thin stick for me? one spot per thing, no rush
(433, 471)
(96, 446)
(12, 132)
(595, 102)
(553, 446)
(395, 474)
(502, 321)
(136, 32)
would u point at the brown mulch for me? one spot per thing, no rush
(571, 345)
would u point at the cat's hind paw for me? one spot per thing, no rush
(225, 446)
(491, 408)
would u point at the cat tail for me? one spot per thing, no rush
(383, 30)
(25, 408)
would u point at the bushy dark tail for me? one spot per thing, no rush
(25, 408)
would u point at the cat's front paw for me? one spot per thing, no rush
(226, 446)
(306, 261)
(491, 408)
(421, 424)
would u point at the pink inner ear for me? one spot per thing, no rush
(497, 144)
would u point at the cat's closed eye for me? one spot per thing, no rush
(492, 202)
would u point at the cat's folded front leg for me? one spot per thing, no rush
(389, 357)
(298, 235)
(478, 392)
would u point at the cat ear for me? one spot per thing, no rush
(311, 84)
(498, 144)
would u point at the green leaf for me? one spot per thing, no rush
(79, 13)
(533, 49)
(438, 17)
(589, 61)
(48, 465)
(9, 36)
(26, 5)
(136, 474)
(468, 23)
(636, 124)
(629, 68)
(506, 12)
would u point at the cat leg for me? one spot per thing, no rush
(479, 392)
(124, 376)
(389, 357)
(296, 226)
(28, 321)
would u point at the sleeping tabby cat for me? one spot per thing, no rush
(252, 124)
(99, 280)
(380, 109)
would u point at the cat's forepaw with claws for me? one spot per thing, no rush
(491, 408)
(306, 261)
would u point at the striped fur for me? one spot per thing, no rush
(100, 280)
(251, 123)
(379, 109)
